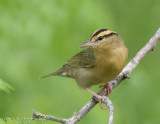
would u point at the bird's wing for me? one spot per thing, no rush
(83, 59)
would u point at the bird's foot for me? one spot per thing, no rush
(109, 90)
(100, 98)
(100, 102)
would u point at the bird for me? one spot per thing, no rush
(101, 62)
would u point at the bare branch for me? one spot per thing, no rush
(47, 117)
(113, 84)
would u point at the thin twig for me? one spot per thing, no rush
(113, 84)
(111, 109)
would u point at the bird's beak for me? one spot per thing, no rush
(87, 44)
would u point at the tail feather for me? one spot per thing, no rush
(64, 71)
(49, 75)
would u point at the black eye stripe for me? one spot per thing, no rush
(106, 36)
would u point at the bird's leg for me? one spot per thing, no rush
(109, 90)
(98, 96)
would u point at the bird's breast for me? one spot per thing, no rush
(108, 66)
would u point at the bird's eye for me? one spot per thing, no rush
(100, 37)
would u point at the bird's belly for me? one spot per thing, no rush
(86, 78)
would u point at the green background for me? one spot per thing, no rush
(38, 36)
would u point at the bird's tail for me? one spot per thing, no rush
(49, 75)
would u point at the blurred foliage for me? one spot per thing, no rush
(21, 121)
(38, 36)
(5, 87)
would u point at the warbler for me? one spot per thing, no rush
(101, 62)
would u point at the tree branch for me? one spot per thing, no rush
(113, 84)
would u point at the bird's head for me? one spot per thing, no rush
(101, 37)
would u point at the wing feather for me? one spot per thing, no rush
(83, 59)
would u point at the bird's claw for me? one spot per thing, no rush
(109, 90)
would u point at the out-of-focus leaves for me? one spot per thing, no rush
(2, 121)
(18, 120)
(5, 87)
